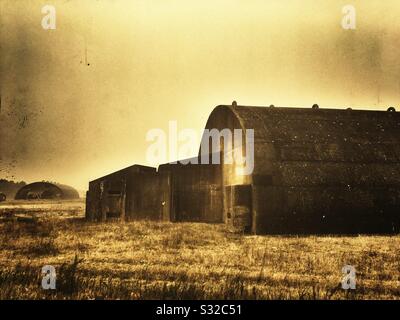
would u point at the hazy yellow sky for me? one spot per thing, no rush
(154, 61)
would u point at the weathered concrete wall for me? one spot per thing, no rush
(105, 195)
(174, 193)
(196, 192)
(320, 171)
(148, 196)
(236, 189)
(126, 194)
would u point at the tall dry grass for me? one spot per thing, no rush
(157, 260)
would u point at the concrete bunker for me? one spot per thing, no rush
(315, 171)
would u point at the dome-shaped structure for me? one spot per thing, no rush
(46, 190)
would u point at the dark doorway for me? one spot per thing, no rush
(238, 207)
(114, 202)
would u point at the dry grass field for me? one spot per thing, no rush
(157, 260)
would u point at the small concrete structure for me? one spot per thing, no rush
(315, 171)
(136, 192)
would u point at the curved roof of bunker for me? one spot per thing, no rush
(316, 143)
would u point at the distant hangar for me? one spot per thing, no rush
(46, 190)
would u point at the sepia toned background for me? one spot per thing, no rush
(76, 102)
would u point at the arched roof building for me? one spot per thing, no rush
(317, 170)
(46, 190)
